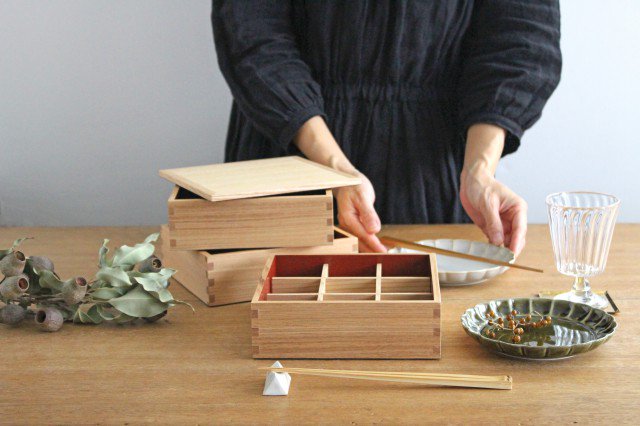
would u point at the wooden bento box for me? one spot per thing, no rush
(378, 306)
(291, 220)
(276, 202)
(220, 277)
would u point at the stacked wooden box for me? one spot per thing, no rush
(225, 220)
(347, 306)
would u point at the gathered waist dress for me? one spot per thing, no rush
(398, 83)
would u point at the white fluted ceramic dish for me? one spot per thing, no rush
(454, 271)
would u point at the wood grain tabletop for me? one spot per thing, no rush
(196, 368)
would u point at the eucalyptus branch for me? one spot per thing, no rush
(130, 285)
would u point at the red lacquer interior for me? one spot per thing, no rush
(353, 265)
(348, 265)
(266, 289)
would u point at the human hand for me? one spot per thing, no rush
(494, 208)
(357, 215)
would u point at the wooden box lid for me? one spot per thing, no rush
(257, 178)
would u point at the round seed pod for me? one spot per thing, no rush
(156, 317)
(41, 263)
(49, 319)
(14, 287)
(150, 264)
(74, 290)
(12, 264)
(12, 314)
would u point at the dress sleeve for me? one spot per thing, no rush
(511, 65)
(260, 60)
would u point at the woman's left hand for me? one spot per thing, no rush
(496, 209)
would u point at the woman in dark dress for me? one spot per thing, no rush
(419, 98)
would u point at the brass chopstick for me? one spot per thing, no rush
(439, 379)
(391, 241)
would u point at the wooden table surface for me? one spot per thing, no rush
(197, 368)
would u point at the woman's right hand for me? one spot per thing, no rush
(355, 203)
(357, 215)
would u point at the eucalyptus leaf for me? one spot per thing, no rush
(138, 303)
(16, 243)
(87, 315)
(165, 273)
(96, 284)
(96, 318)
(123, 319)
(81, 317)
(68, 312)
(19, 241)
(34, 279)
(102, 254)
(162, 276)
(116, 277)
(155, 288)
(108, 293)
(152, 238)
(129, 256)
(180, 302)
(49, 280)
(108, 313)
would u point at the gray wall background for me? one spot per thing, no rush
(96, 96)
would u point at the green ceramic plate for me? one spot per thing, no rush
(575, 328)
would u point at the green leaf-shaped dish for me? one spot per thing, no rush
(576, 328)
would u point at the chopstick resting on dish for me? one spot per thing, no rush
(391, 241)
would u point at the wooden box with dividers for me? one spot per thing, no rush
(277, 202)
(377, 306)
(220, 277)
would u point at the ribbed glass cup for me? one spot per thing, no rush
(581, 226)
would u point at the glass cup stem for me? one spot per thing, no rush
(581, 293)
(581, 288)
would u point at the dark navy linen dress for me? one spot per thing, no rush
(398, 83)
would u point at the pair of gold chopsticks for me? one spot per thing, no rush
(396, 242)
(438, 379)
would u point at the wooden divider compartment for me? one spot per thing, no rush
(220, 277)
(291, 220)
(347, 306)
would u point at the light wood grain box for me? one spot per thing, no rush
(377, 306)
(276, 202)
(276, 221)
(223, 277)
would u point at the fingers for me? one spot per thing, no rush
(363, 248)
(369, 218)
(518, 228)
(374, 243)
(371, 244)
(506, 228)
(368, 242)
(356, 212)
(498, 211)
(490, 211)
